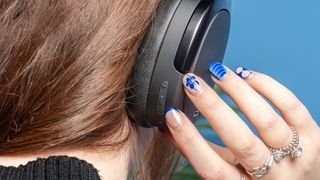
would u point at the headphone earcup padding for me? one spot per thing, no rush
(147, 56)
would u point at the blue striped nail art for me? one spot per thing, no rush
(217, 70)
(243, 72)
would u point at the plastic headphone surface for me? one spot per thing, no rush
(184, 36)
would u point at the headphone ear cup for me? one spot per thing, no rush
(148, 52)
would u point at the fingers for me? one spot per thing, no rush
(223, 152)
(235, 134)
(291, 108)
(207, 163)
(243, 144)
(270, 126)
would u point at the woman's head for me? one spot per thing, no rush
(64, 67)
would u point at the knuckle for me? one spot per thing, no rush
(188, 139)
(307, 165)
(295, 106)
(271, 122)
(298, 108)
(294, 110)
(213, 105)
(245, 147)
(216, 174)
(306, 168)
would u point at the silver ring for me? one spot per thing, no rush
(263, 170)
(292, 149)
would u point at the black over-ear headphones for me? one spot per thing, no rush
(185, 36)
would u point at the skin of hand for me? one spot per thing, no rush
(244, 151)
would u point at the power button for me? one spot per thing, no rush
(162, 97)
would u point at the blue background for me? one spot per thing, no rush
(281, 39)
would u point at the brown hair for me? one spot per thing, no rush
(64, 68)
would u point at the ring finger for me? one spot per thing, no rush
(271, 127)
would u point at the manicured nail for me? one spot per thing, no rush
(192, 84)
(243, 72)
(217, 70)
(173, 117)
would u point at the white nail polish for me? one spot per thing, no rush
(173, 117)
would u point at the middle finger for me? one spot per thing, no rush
(250, 151)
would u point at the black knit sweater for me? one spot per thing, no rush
(51, 168)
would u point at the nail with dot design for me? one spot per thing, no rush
(243, 72)
(173, 117)
(192, 84)
(217, 70)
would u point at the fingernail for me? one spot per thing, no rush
(173, 117)
(192, 84)
(217, 70)
(243, 72)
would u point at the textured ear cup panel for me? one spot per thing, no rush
(146, 60)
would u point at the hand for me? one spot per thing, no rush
(245, 151)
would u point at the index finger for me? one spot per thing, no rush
(207, 163)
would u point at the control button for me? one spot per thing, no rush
(164, 85)
(162, 97)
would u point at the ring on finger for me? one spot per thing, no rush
(292, 149)
(263, 170)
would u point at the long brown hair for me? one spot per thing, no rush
(64, 67)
